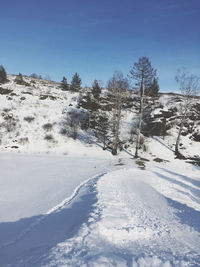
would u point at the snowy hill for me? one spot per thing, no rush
(32, 119)
(31, 115)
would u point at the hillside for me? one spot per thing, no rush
(33, 119)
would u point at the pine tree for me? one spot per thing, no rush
(64, 84)
(19, 79)
(142, 72)
(96, 90)
(76, 82)
(3, 75)
(154, 88)
(103, 127)
(92, 107)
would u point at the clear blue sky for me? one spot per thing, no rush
(97, 37)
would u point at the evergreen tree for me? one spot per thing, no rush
(143, 73)
(103, 127)
(64, 84)
(154, 88)
(87, 103)
(3, 75)
(96, 90)
(19, 79)
(76, 82)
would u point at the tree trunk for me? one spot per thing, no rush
(104, 141)
(116, 119)
(177, 153)
(140, 121)
(116, 132)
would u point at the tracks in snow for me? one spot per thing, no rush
(46, 231)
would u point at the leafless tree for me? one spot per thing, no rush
(117, 86)
(189, 87)
(143, 74)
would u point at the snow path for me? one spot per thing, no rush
(132, 225)
(46, 231)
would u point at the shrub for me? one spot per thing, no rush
(63, 131)
(29, 119)
(140, 164)
(48, 137)
(23, 140)
(6, 110)
(27, 93)
(10, 125)
(4, 91)
(48, 126)
(43, 97)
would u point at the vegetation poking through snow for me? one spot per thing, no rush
(108, 116)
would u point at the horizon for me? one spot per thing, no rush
(95, 39)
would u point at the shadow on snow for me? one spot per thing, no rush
(186, 215)
(45, 231)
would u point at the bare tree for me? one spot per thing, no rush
(117, 86)
(189, 87)
(143, 74)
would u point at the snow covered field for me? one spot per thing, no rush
(95, 210)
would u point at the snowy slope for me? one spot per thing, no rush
(27, 109)
(33, 119)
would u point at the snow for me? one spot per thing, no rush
(69, 203)
(130, 219)
(46, 103)
(42, 181)
(77, 210)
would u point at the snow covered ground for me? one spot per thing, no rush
(92, 209)
(33, 184)
(77, 205)
(134, 222)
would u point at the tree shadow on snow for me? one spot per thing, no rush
(186, 178)
(186, 214)
(33, 237)
(195, 192)
(162, 143)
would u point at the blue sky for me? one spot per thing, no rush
(97, 37)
